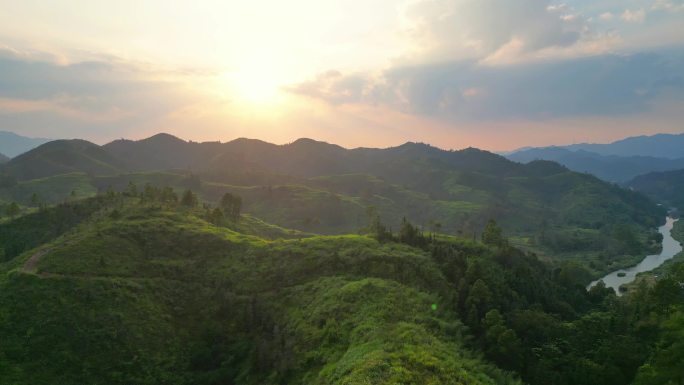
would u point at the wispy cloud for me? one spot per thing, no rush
(600, 85)
(38, 87)
(634, 16)
(669, 5)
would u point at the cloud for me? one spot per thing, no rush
(44, 91)
(527, 59)
(636, 16)
(604, 85)
(335, 88)
(669, 5)
(505, 31)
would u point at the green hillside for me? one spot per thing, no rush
(321, 188)
(663, 187)
(3, 158)
(62, 157)
(161, 296)
(141, 289)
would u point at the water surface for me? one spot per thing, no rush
(671, 247)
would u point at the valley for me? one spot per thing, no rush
(342, 192)
(340, 266)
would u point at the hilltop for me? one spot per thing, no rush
(62, 157)
(137, 288)
(619, 161)
(322, 188)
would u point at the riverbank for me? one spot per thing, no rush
(670, 248)
(649, 278)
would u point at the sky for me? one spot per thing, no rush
(493, 74)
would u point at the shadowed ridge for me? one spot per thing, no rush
(162, 152)
(62, 157)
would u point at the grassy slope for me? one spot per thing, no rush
(163, 297)
(561, 216)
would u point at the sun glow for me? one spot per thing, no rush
(256, 82)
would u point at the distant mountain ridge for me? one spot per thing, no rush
(303, 157)
(3, 158)
(320, 187)
(12, 144)
(664, 187)
(62, 157)
(612, 168)
(670, 146)
(615, 162)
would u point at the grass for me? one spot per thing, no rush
(104, 300)
(558, 217)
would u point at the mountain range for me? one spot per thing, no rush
(615, 162)
(669, 146)
(162, 261)
(613, 168)
(322, 188)
(12, 144)
(666, 187)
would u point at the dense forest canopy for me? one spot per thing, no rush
(146, 286)
(312, 264)
(322, 188)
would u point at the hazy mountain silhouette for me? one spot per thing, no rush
(612, 168)
(61, 157)
(669, 146)
(12, 144)
(664, 187)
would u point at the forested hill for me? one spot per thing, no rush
(613, 168)
(146, 287)
(304, 157)
(323, 188)
(3, 158)
(61, 157)
(666, 187)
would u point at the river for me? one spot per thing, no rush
(671, 247)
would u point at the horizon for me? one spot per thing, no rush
(342, 192)
(489, 74)
(495, 151)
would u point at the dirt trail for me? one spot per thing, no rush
(31, 263)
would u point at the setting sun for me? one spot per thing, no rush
(342, 192)
(257, 80)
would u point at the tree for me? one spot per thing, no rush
(216, 216)
(599, 292)
(167, 195)
(231, 205)
(477, 303)
(35, 200)
(410, 235)
(131, 190)
(13, 210)
(376, 227)
(502, 344)
(492, 234)
(189, 199)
